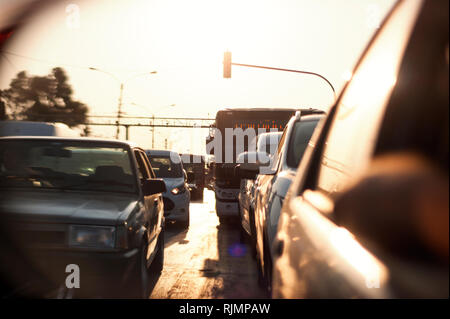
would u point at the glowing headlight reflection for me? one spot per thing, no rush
(92, 236)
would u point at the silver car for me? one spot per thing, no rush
(168, 166)
(367, 215)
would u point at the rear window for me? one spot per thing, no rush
(165, 168)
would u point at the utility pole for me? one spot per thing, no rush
(119, 111)
(119, 108)
(153, 131)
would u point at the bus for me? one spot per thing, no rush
(231, 134)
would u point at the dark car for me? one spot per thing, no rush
(368, 213)
(85, 204)
(195, 167)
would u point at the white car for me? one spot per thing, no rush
(267, 144)
(168, 166)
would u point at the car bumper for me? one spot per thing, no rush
(227, 208)
(98, 271)
(180, 208)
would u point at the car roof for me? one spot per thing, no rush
(160, 152)
(70, 139)
(312, 117)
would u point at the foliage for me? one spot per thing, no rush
(42, 98)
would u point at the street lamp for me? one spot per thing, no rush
(119, 108)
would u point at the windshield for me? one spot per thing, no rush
(73, 165)
(165, 168)
(268, 142)
(303, 131)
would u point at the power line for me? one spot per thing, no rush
(43, 60)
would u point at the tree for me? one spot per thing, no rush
(42, 98)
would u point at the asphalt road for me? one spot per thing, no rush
(206, 261)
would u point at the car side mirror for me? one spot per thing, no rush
(247, 170)
(153, 186)
(252, 164)
(185, 175)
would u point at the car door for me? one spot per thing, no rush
(264, 196)
(151, 202)
(159, 210)
(319, 258)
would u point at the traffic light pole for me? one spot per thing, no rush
(227, 63)
(287, 70)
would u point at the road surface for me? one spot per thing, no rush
(206, 261)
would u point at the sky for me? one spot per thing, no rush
(184, 41)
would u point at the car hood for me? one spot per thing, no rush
(171, 183)
(68, 207)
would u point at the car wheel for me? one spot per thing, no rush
(242, 235)
(267, 271)
(252, 233)
(158, 263)
(139, 286)
(185, 224)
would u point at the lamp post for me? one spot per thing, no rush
(119, 107)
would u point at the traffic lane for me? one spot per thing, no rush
(206, 261)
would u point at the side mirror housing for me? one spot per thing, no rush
(251, 164)
(247, 171)
(153, 186)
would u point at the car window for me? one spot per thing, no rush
(142, 168)
(65, 165)
(353, 132)
(299, 141)
(147, 165)
(276, 159)
(165, 168)
(268, 142)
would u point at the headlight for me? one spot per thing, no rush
(178, 190)
(92, 236)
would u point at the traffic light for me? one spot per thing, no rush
(227, 65)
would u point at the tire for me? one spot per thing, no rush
(200, 195)
(185, 224)
(158, 263)
(252, 233)
(267, 283)
(244, 238)
(139, 282)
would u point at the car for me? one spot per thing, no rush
(266, 144)
(195, 168)
(169, 166)
(272, 187)
(367, 214)
(29, 128)
(93, 204)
